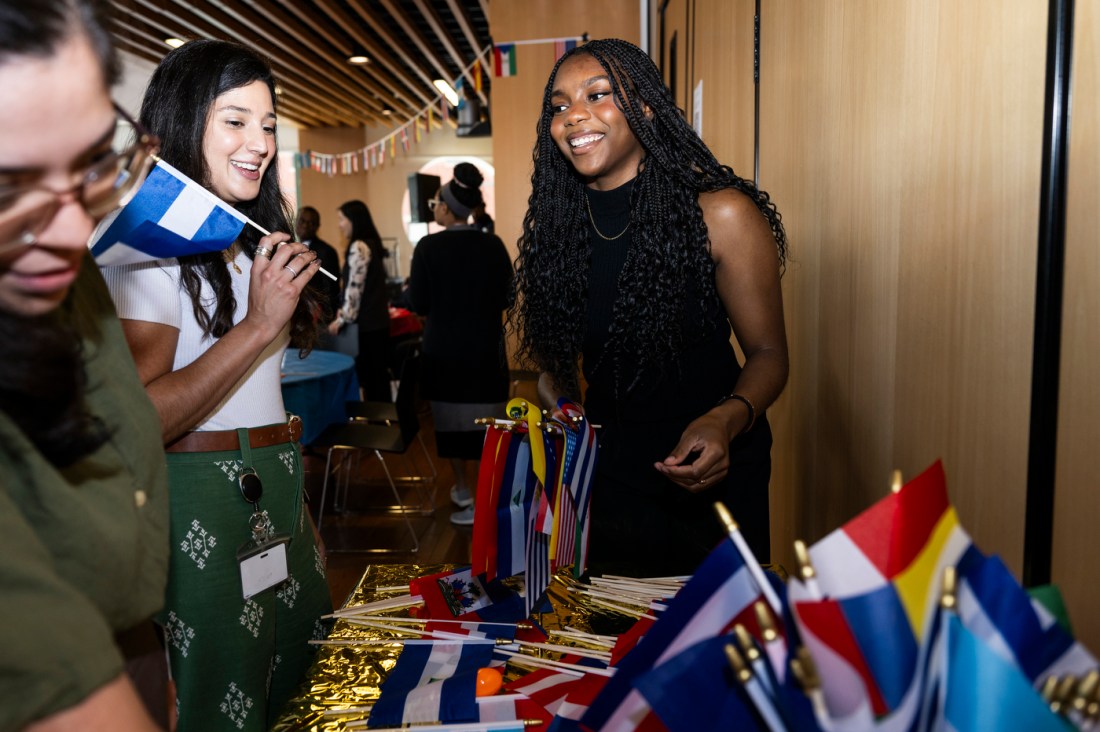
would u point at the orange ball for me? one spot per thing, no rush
(489, 681)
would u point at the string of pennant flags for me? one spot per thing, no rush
(432, 116)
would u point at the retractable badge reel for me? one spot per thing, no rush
(263, 558)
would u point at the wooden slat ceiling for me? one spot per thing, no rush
(409, 43)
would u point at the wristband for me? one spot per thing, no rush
(748, 405)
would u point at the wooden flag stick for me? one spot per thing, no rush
(456, 727)
(557, 664)
(390, 603)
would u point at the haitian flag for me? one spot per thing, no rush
(170, 216)
(462, 595)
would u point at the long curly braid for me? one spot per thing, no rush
(669, 259)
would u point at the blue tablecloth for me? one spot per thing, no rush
(317, 387)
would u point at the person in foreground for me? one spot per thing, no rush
(639, 253)
(461, 280)
(83, 486)
(363, 302)
(208, 334)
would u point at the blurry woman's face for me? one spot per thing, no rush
(343, 224)
(239, 142)
(57, 121)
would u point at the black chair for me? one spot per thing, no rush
(393, 433)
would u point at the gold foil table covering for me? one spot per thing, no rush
(343, 677)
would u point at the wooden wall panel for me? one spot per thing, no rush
(674, 23)
(900, 141)
(722, 60)
(517, 100)
(1077, 508)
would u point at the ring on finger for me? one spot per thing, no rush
(702, 481)
(293, 272)
(264, 252)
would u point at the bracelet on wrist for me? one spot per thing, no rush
(748, 405)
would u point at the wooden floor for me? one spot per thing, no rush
(366, 522)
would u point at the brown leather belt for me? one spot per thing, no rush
(220, 440)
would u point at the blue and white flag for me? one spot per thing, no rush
(170, 216)
(432, 682)
(986, 693)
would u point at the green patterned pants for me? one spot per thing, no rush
(236, 662)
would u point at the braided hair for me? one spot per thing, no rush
(669, 258)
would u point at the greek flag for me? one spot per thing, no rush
(171, 216)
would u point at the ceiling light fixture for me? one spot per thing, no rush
(175, 42)
(447, 90)
(358, 60)
(387, 111)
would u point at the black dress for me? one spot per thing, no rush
(643, 523)
(460, 281)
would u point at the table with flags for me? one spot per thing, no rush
(894, 621)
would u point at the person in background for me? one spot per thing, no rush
(306, 226)
(461, 280)
(364, 300)
(208, 333)
(639, 253)
(83, 485)
(483, 221)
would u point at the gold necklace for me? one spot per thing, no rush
(597, 229)
(229, 255)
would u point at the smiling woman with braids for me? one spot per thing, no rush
(639, 253)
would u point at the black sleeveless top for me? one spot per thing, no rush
(706, 368)
(632, 503)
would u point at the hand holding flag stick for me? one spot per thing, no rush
(170, 216)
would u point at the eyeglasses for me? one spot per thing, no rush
(109, 183)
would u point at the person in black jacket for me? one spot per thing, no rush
(306, 226)
(461, 282)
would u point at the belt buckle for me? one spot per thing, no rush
(294, 423)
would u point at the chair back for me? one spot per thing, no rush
(407, 356)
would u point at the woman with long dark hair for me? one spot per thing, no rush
(363, 300)
(208, 333)
(83, 489)
(639, 254)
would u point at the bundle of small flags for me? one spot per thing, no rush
(896, 621)
(531, 512)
